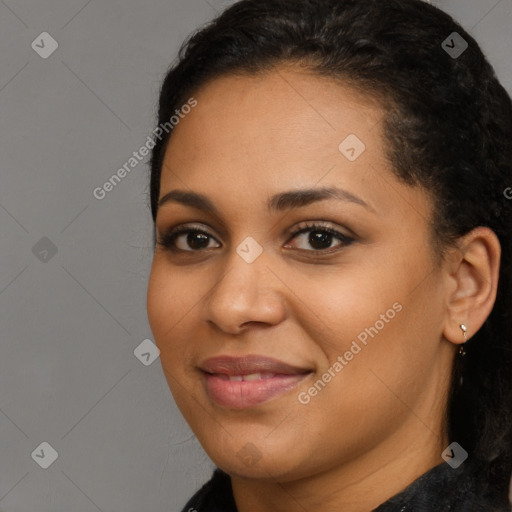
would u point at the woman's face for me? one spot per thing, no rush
(355, 312)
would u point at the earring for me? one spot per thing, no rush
(464, 329)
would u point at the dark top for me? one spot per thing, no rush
(441, 489)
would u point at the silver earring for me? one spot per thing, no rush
(464, 329)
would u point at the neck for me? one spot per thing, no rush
(359, 485)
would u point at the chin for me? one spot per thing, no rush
(255, 460)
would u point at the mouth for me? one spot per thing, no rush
(243, 382)
(247, 378)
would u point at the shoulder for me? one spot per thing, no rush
(447, 489)
(216, 495)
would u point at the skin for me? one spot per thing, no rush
(379, 423)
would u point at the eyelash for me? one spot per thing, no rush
(168, 239)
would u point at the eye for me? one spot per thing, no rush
(320, 237)
(193, 239)
(178, 239)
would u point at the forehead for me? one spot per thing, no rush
(250, 137)
(281, 118)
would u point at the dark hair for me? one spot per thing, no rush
(448, 124)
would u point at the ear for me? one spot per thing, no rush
(472, 271)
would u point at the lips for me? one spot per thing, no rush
(242, 382)
(247, 377)
(251, 364)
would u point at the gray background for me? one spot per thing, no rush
(70, 321)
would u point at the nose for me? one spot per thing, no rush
(245, 294)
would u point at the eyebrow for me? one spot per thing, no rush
(278, 202)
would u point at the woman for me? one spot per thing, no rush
(331, 283)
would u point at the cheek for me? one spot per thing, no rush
(167, 308)
(171, 294)
(344, 304)
(168, 302)
(158, 300)
(173, 302)
(361, 391)
(386, 341)
(369, 318)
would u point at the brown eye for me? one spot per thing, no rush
(320, 237)
(186, 239)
